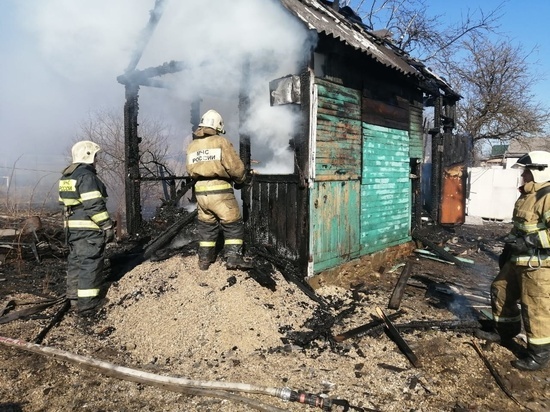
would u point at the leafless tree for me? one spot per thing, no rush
(106, 128)
(420, 34)
(497, 85)
(493, 76)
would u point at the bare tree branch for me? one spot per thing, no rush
(494, 77)
(106, 128)
(421, 34)
(497, 88)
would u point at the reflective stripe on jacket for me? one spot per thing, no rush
(85, 197)
(532, 215)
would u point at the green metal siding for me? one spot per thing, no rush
(385, 189)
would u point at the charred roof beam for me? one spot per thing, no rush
(143, 77)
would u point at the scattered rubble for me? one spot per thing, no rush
(261, 329)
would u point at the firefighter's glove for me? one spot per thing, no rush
(109, 235)
(524, 245)
(247, 180)
(505, 255)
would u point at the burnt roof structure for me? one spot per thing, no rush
(368, 82)
(325, 20)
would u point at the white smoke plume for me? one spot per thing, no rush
(82, 46)
(214, 39)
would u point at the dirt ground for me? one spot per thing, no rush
(231, 339)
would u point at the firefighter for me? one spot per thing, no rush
(525, 272)
(214, 165)
(88, 228)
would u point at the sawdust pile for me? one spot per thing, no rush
(171, 310)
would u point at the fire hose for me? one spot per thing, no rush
(180, 384)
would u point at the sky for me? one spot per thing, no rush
(60, 60)
(523, 22)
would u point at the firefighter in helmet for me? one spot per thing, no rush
(214, 165)
(88, 227)
(525, 266)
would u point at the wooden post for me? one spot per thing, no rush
(131, 145)
(244, 138)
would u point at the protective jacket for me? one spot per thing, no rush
(532, 216)
(213, 157)
(84, 196)
(214, 165)
(525, 277)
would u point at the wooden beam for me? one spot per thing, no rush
(396, 337)
(399, 289)
(495, 374)
(361, 330)
(30, 310)
(168, 235)
(54, 321)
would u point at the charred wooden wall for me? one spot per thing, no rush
(334, 219)
(277, 218)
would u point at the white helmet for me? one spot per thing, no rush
(538, 162)
(84, 152)
(212, 119)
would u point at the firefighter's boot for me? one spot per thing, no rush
(538, 358)
(207, 256)
(502, 333)
(235, 258)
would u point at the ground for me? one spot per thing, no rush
(230, 340)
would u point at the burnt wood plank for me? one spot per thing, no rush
(383, 114)
(363, 329)
(397, 295)
(398, 339)
(167, 236)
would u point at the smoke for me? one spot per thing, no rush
(216, 41)
(61, 60)
(85, 41)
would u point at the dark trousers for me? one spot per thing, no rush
(85, 280)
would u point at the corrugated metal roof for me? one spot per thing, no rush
(325, 20)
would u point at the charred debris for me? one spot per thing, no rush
(173, 233)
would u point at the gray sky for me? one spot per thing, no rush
(61, 58)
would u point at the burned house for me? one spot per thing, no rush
(358, 152)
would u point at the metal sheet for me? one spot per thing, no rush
(385, 188)
(285, 90)
(325, 20)
(453, 196)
